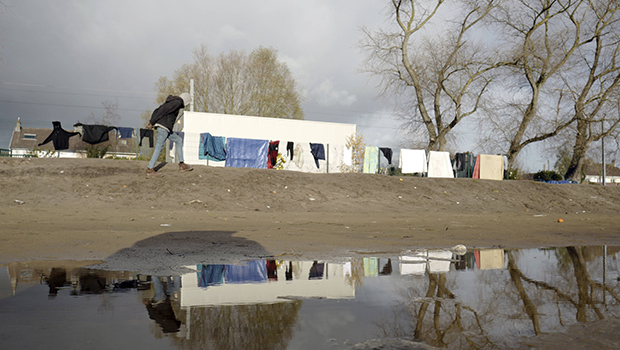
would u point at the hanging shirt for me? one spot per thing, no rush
(59, 137)
(95, 134)
(347, 157)
(212, 147)
(387, 153)
(289, 149)
(272, 156)
(318, 152)
(124, 132)
(299, 156)
(148, 133)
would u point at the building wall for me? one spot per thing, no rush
(301, 132)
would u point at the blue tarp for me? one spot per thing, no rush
(247, 153)
(254, 271)
(558, 182)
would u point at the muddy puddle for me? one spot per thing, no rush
(483, 299)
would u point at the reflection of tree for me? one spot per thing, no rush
(228, 327)
(505, 304)
(449, 323)
(586, 289)
(530, 308)
(357, 272)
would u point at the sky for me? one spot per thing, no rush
(61, 59)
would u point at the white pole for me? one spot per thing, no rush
(191, 93)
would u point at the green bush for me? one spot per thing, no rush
(548, 175)
(93, 151)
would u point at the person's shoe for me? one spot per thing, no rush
(185, 167)
(151, 173)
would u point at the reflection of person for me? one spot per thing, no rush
(58, 277)
(162, 313)
(163, 119)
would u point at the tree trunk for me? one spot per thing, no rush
(581, 145)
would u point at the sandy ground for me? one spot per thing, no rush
(93, 209)
(106, 210)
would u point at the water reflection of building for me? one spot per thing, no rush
(262, 282)
(439, 261)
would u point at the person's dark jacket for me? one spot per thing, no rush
(167, 113)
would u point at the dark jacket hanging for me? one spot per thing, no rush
(59, 137)
(318, 152)
(95, 134)
(148, 133)
(387, 152)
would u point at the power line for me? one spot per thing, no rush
(74, 94)
(76, 88)
(70, 106)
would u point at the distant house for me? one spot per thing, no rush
(594, 173)
(25, 143)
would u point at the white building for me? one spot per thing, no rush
(300, 132)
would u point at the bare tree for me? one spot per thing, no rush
(594, 83)
(540, 37)
(237, 83)
(437, 82)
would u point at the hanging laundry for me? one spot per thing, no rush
(439, 261)
(59, 137)
(371, 160)
(387, 153)
(439, 165)
(181, 135)
(316, 271)
(246, 153)
(413, 161)
(347, 157)
(371, 267)
(212, 147)
(272, 270)
(148, 133)
(318, 152)
(414, 264)
(290, 149)
(463, 164)
(95, 134)
(299, 156)
(476, 174)
(254, 271)
(491, 167)
(209, 275)
(272, 155)
(125, 132)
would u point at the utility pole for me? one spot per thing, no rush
(603, 153)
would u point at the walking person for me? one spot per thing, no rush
(163, 120)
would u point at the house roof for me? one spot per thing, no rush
(29, 139)
(596, 169)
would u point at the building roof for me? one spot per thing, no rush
(29, 139)
(596, 169)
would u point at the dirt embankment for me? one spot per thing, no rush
(94, 209)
